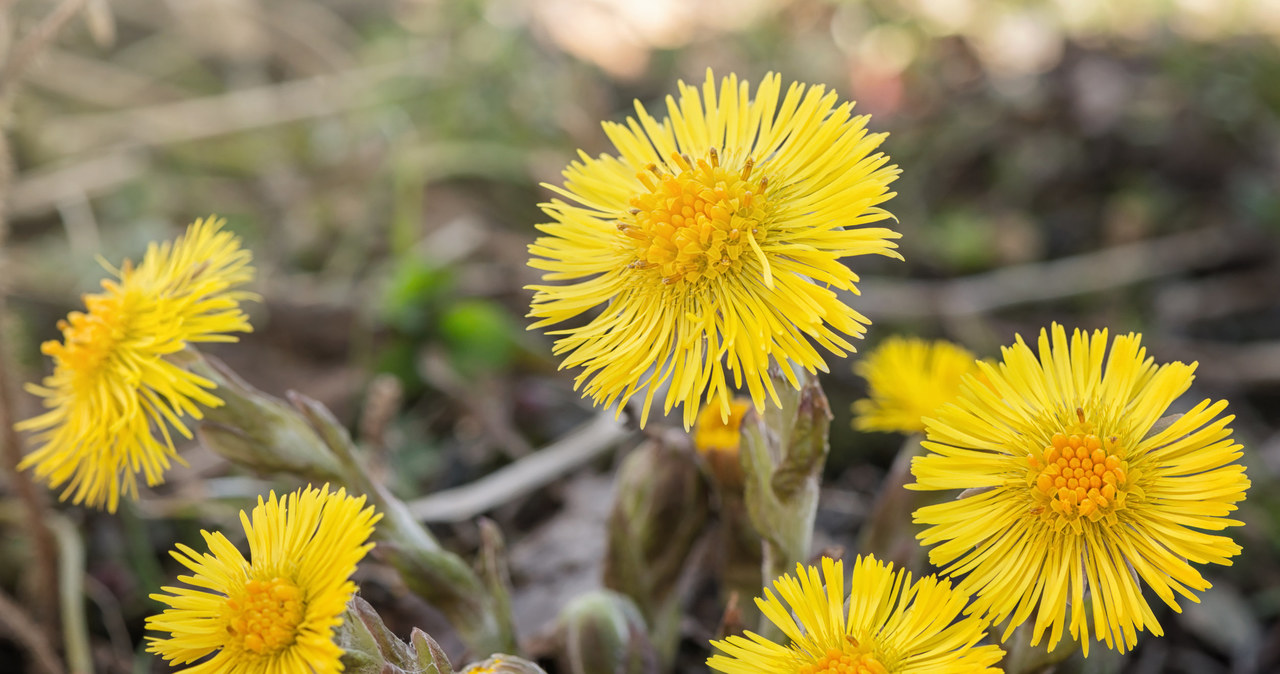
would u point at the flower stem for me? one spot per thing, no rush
(783, 455)
(258, 431)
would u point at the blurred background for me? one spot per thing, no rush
(1100, 164)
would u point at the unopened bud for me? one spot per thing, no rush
(266, 434)
(603, 633)
(259, 431)
(370, 648)
(659, 509)
(500, 663)
(805, 452)
(783, 454)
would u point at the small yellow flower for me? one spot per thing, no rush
(277, 611)
(715, 432)
(891, 625)
(907, 379)
(714, 241)
(113, 387)
(717, 439)
(1079, 488)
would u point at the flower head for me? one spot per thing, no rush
(277, 611)
(907, 379)
(891, 625)
(716, 432)
(1079, 487)
(113, 387)
(717, 439)
(714, 241)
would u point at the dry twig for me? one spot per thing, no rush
(20, 57)
(99, 82)
(38, 192)
(1256, 364)
(231, 112)
(1098, 271)
(523, 476)
(71, 575)
(46, 557)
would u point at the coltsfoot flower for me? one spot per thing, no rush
(1079, 488)
(277, 611)
(891, 626)
(907, 379)
(113, 387)
(714, 241)
(716, 433)
(717, 440)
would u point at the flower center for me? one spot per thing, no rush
(264, 617)
(699, 223)
(845, 662)
(1081, 476)
(89, 338)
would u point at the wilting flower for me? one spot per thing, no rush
(714, 241)
(1079, 487)
(113, 387)
(277, 611)
(907, 379)
(891, 625)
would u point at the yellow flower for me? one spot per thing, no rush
(277, 611)
(907, 379)
(717, 439)
(112, 386)
(892, 625)
(716, 433)
(714, 240)
(1079, 487)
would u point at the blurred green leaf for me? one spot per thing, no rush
(480, 336)
(413, 294)
(397, 358)
(962, 240)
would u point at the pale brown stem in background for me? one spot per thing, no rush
(44, 566)
(20, 57)
(523, 476)
(1035, 282)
